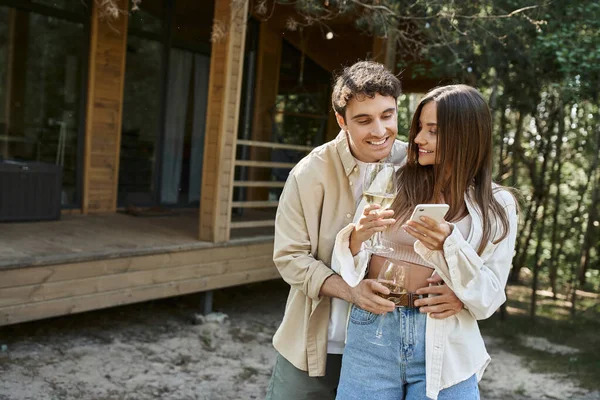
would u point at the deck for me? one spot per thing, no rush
(82, 263)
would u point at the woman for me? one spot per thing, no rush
(449, 161)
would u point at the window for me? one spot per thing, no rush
(41, 67)
(162, 141)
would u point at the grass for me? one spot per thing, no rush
(553, 322)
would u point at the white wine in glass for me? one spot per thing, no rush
(394, 276)
(383, 199)
(379, 187)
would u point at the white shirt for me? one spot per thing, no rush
(454, 348)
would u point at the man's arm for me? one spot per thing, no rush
(363, 295)
(292, 253)
(293, 258)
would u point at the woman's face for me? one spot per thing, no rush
(426, 138)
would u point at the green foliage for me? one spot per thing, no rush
(539, 64)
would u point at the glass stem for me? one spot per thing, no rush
(379, 332)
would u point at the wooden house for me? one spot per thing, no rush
(175, 127)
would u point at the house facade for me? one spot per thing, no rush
(175, 127)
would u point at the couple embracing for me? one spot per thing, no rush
(459, 264)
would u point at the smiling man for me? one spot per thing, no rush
(320, 198)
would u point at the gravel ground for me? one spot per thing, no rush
(159, 350)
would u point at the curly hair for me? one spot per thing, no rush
(364, 78)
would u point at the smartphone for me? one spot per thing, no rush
(433, 211)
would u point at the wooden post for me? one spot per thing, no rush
(104, 111)
(265, 95)
(384, 52)
(225, 87)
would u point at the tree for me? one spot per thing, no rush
(539, 63)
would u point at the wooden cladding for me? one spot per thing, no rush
(40, 292)
(225, 86)
(104, 111)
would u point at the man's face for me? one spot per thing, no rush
(372, 126)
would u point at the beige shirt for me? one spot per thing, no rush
(316, 203)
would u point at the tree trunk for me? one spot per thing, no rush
(585, 261)
(544, 190)
(501, 159)
(540, 191)
(538, 260)
(570, 230)
(585, 247)
(521, 255)
(516, 149)
(553, 262)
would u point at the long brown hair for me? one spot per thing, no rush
(463, 161)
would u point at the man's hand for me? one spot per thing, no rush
(365, 296)
(372, 221)
(442, 304)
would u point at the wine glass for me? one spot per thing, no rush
(379, 187)
(394, 276)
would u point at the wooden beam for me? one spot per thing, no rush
(32, 293)
(225, 87)
(253, 224)
(263, 164)
(268, 65)
(108, 42)
(384, 52)
(73, 305)
(259, 184)
(271, 145)
(72, 272)
(106, 283)
(254, 204)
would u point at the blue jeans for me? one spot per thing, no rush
(394, 372)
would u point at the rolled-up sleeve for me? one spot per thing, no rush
(352, 268)
(294, 248)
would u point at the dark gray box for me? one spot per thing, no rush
(29, 191)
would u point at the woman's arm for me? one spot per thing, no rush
(478, 281)
(349, 259)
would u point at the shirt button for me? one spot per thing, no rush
(348, 216)
(351, 184)
(355, 169)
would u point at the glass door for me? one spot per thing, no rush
(43, 60)
(164, 115)
(183, 144)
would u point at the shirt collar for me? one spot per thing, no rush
(343, 149)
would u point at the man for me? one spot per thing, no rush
(319, 199)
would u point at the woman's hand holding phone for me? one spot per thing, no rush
(428, 225)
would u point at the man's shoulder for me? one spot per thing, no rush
(321, 157)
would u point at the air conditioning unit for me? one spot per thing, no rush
(29, 191)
